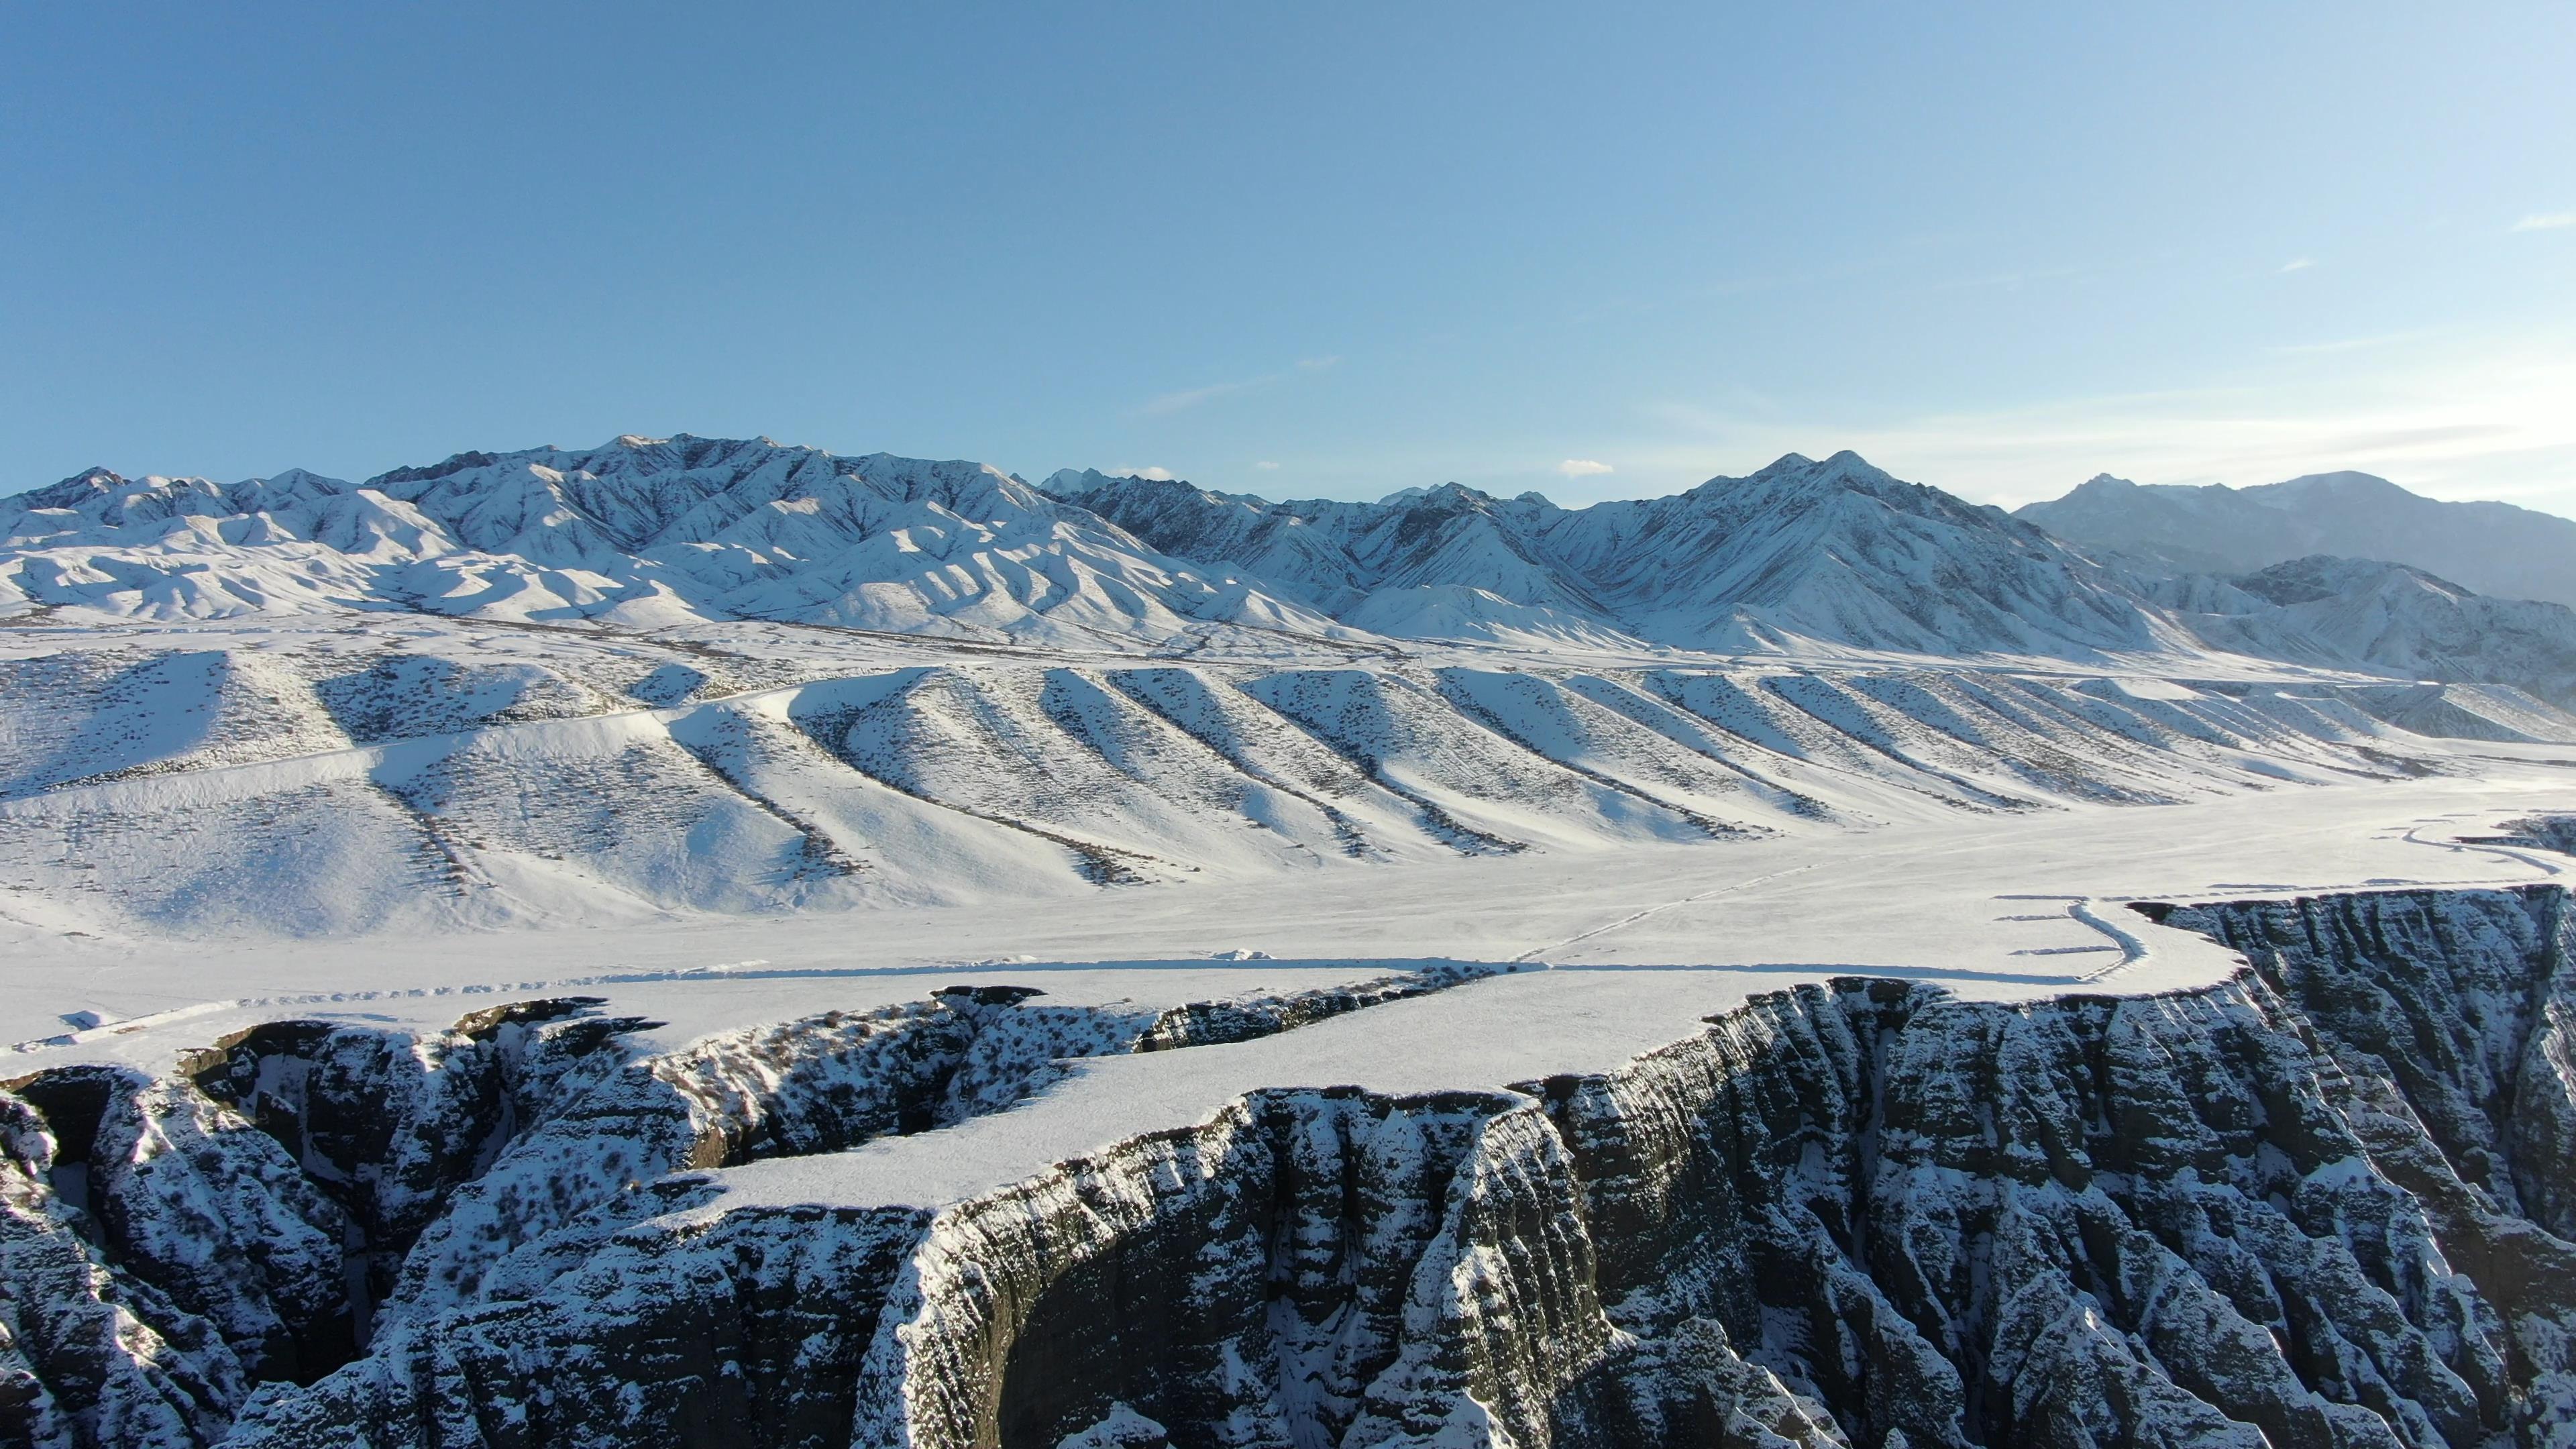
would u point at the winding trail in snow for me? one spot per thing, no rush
(2079, 909)
(2480, 848)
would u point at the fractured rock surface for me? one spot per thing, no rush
(2325, 1202)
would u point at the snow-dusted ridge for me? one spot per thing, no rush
(1835, 551)
(1803, 557)
(641, 532)
(319, 782)
(2495, 548)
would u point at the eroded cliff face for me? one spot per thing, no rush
(2327, 1202)
(175, 1252)
(1861, 1212)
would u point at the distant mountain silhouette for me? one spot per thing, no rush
(2493, 548)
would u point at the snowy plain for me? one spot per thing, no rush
(726, 733)
(1605, 955)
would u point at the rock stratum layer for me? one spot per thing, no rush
(2325, 1202)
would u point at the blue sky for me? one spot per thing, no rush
(1302, 250)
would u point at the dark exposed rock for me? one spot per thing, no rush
(742, 1330)
(304, 1190)
(2321, 1203)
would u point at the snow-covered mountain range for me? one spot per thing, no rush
(2392, 616)
(639, 533)
(704, 942)
(1804, 558)
(693, 677)
(1834, 551)
(1836, 554)
(2494, 548)
(643, 532)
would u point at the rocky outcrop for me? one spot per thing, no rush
(2449, 1016)
(1862, 1212)
(87, 1356)
(305, 1191)
(2322, 1203)
(744, 1328)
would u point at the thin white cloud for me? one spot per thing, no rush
(2344, 344)
(2297, 264)
(1266, 466)
(2546, 221)
(1158, 475)
(1182, 401)
(1583, 468)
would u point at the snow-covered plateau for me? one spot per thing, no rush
(698, 942)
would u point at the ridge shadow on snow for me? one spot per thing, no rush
(281, 790)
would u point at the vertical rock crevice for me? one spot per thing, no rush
(299, 1190)
(2309, 1205)
(1860, 1212)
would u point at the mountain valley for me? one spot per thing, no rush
(705, 942)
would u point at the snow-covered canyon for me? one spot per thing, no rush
(707, 942)
(2320, 1200)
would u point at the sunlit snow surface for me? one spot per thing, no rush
(1683, 834)
(650, 837)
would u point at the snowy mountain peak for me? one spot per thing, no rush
(70, 492)
(2323, 576)
(2345, 487)
(1843, 463)
(1845, 470)
(1795, 485)
(2106, 483)
(1805, 555)
(91, 487)
(641, 532)
(1440, 495)
(106, 499)
(1070, 483)
(1452, 496)
(2495, 548)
